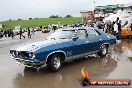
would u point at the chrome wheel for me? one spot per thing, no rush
(56, 62)
(104, 50)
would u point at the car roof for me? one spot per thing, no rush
(76, 28)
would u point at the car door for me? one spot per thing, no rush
(94, 40)
(79, 45)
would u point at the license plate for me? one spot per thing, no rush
(21, 62)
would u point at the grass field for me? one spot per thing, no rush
(39, 22)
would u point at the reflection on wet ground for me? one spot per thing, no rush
(68, 76)
(116, 65)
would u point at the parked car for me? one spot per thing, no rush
(127, 30)
(63, 45)
(17, 31)
(45, 30)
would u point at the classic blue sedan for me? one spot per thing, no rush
(63, 45)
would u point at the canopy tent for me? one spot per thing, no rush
(123, 16)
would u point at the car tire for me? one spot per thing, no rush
(54, 62)
(103, 51)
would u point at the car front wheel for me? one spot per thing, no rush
(103, 51)
(54, 62)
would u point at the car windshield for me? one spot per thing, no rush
(62, 34)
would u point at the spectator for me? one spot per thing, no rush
(12, 33)
(21, 33)
(1, 34)
(119, 29)
(131, 26)
(33, 30)
(116, 32)
(126, 23)
(5, 33)
(112, 27)
(49, 26)
(54, 27)
(8, 33)
(29, 33)
(99, 26)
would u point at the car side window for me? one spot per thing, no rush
(81, 34)
(91, 32)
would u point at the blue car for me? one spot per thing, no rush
(63, 45)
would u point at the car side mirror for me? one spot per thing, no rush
(74, 38)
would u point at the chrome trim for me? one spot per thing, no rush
(44, 65)
(58, 51)
(80, 55)
(87, 41)
(23, 60)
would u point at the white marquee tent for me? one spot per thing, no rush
(123, 16)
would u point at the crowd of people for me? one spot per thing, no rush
(7, 33)
(113, 28)
(20, 31)
(108, 27)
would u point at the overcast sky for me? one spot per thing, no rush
(13, 9)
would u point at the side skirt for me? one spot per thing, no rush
(79, 56)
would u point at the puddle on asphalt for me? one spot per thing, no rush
(117, 64)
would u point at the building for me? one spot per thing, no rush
(87, 16)
(104, 11)
(101, 12)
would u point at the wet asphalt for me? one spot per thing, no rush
(116, 65)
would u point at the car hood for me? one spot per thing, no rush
(37, 45)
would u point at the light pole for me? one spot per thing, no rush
(94, 10)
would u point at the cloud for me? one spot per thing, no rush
(13, 9)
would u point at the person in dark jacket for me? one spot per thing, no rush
(119, 29)
(8, 33)
(54, 27)
(12, 33)
(21, 33)
(29, 33)
(5, 33)
(1, 35)
(131, 26)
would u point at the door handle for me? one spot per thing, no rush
(87, 41)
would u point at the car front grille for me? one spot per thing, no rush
(23, 54)
(19, 54)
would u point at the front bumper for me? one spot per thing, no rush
(30, 62)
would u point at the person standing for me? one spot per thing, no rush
(12, 33)
(54, 27)
(5, 33)
(116, 32)
(8, 33)
(1, 34)
(21, 33)
(119, 29)
(105, 27)
(33, 30)
(29, 33)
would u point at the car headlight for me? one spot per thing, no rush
(31, 55)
